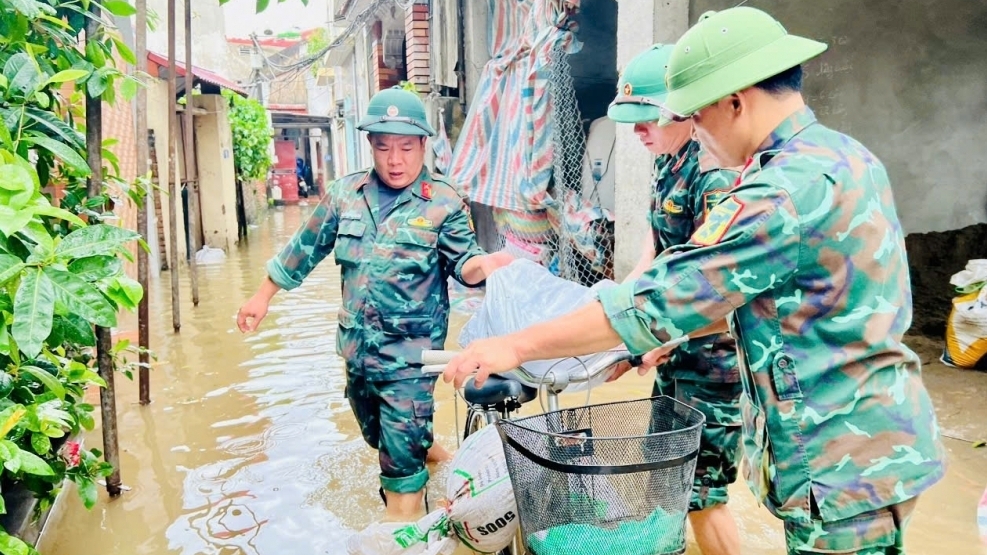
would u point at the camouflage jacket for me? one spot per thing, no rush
(394, 272)
(686, 187)
(806, 256)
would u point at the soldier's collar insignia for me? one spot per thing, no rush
(628, 89)
(671, 207)
(426, 190)
(420, 222)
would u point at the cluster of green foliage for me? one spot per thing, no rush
(251, 137)
(61, 267)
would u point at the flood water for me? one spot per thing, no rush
(249, 446)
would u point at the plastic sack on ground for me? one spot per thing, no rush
(525, 293)
(481, 512)
(966, 329)
(209, 255)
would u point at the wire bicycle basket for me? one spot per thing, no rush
(606, 478)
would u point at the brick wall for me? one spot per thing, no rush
(416, 35)
(381, 76)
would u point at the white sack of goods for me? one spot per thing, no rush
(480, 512)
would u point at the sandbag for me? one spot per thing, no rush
(966, 329)
(481, 512)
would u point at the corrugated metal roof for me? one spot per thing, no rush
(198, 72)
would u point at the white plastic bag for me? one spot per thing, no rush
(966, 330)
(481, 511)
(525, 293)
(209, 255)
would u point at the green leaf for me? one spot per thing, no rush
(128, 89)
(262, 5)
(55, 212)
(63, 152)
(16, 186)
(119, 8)
(67, 75)
(12, 221)
(126, 292)
(5, 139)
(40, 443)
(29, 8)
(81, 297)
(9, 545)
(76, 329)
(98, 82)
(125, 52)
(37, 234)
(33, 464)
(88, 492)
(95, 268)
(10, 266)
(57, 127)
(22, 72)
(34, 308)
(46, 379)
(3, 506)
(99, 239)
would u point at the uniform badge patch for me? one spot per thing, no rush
(718, 222)
(712, 198)
(392, 111)
(427, 190)
(628, 89)
(420, 222)
(671, 207)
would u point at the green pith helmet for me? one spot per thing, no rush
(396, 111)
(641, 90)
(729, 51)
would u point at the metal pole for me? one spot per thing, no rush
(176, 315)
(104, 342)
(191, 164)
(143, 312)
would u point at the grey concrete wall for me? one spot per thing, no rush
(640, 23)
(907, 78)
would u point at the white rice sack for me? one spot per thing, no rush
(482, 509)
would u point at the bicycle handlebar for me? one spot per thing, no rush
(434, 362)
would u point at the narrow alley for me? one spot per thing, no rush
(249, 446)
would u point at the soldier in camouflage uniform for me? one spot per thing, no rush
(398, 234)
(806, 260)
(703, 372)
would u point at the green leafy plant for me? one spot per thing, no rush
(263, 4)
(61, 266)
(251, 137)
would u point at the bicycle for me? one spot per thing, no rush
(503, 395)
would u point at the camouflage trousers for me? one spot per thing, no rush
(719, 447)
(395, 418)
(880, 532)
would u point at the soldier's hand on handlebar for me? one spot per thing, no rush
(483, 357)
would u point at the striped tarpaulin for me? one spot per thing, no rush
(503, 157)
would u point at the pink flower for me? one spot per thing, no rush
(72, 456)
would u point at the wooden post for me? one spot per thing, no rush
(191, 163)
(104, 342)
(143, 312)
(176, 316)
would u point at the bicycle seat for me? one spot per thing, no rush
(498, 389)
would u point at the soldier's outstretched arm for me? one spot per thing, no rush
(749, 243)
(307, 247)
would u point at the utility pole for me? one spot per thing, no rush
(191, 164)
(104, 341)
(143, 312)
(176, 311)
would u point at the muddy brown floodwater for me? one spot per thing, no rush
(249, 446)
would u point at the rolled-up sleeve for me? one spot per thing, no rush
(749, 244)
(307, 247)
(457, 243)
